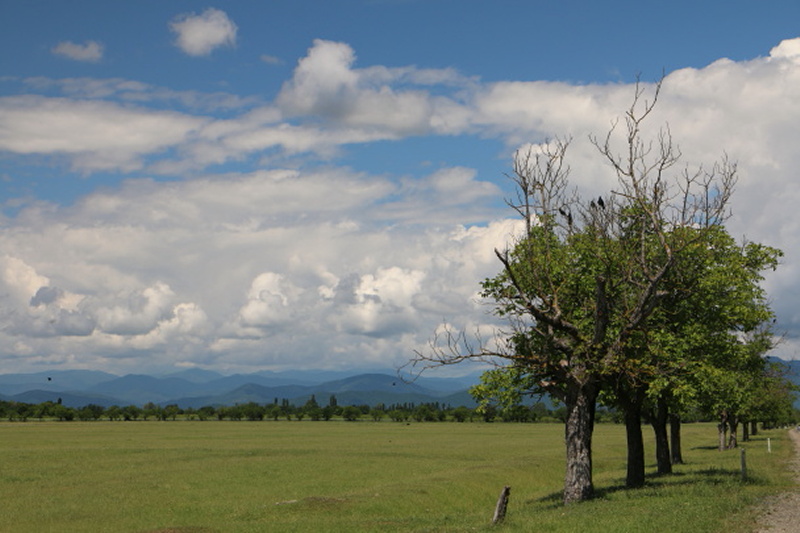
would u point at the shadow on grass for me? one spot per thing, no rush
(658, 482)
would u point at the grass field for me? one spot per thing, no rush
(340, 477)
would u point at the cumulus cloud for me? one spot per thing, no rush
(212, 269)
(199, 35)
(90, 51)
(280, 266)
(787, 49)
(380, 303)
(268, 301)
(325, 84)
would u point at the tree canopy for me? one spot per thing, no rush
(623, 294)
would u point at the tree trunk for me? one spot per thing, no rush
(675, 439)
(580, 403)
(733, 422)
(659, 423)
(745, 431)
(722, 430)
(631, 405)
(754, 428)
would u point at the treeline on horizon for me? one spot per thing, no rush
(283, 409)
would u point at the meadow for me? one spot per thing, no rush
(202, 477)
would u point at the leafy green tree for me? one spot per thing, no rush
(713, 297)
(253, 411)
(90, 412)
(580, 283)
(773, 405)
(461, 414)
(206, 412)
(398, 415)
(114, 413)
(311, 403)
(131, 412)
(351, 413)
(61, 412)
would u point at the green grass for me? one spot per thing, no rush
(364, 476)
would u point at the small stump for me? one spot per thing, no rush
(502, 506)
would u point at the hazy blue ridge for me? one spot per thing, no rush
(196, 388)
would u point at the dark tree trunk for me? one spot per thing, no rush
(659, 423)
(733, 422)
(754, 428)
(745, 431)
(631, 405)
(675, 439)
(580, 403)
(722, 430)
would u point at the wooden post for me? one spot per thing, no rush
(502, 506)
(769, 445)
(744, 465)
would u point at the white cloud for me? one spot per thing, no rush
(234, 270)
(90, 51)
(95, 134)
(268, 301)
(130, 91)
(271, 60)
(325, 84)
(331, 266)
(199, 35)
(378, 304)
(787, 49)
(137, 312)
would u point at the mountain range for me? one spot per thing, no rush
(197, 388)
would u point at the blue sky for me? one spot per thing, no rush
(319, 184)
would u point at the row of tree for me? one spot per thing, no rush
(639, 299)
(283, 409)
(311, 410)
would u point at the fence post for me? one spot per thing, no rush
(502, 505)
(744, 464)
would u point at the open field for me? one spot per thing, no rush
(364, 476)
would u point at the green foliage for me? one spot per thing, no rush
(351, 413)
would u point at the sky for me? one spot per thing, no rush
(296, 184)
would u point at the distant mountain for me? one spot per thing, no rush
(196, 388)
(369, 389)
(67, 398)
(195, 375)
(138, 389)
(56, 381)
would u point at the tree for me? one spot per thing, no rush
(715, 301)
(253, 411)
(114, 413)
(578, 286)
(461, 413)
(131, 412)
(351, 413)
(311, 404)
